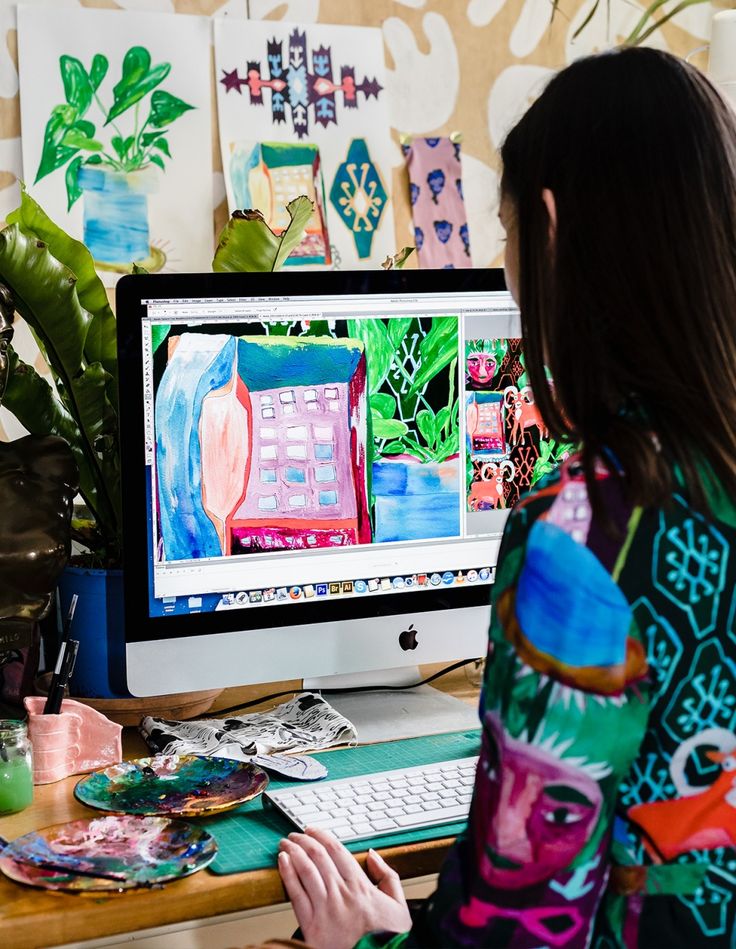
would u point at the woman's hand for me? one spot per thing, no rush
(333, 899)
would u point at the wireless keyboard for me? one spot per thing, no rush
(386, 802)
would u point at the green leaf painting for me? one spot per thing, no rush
(89, 129)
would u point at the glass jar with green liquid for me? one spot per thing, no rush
(16, 767)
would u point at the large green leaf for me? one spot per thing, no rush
(425, 424)
(137, 80)
(300, 211)
(77, 86)
(98, 71)
(384, 404)
(246, 244)
(71, 179)
(398, 327)
(388, 427)
(32, 401)
(165, 109)
(75, 138)
(136, 63)
(100, 342)
(379, 350)
(45, 294)
(437, 350)
(54, 154)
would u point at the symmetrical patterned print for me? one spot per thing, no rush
(294, 88)
(437, 205)
(359, 196)
(604, 812)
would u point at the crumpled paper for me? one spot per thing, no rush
(305, 723)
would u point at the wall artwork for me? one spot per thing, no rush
(437, 205)
(309, 89)
(508, 446)
(267, 176)
(116, 129)
(306, 436)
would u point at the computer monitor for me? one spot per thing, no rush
(316, 470)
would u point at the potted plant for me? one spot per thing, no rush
(117, 170)
(417, 453)
(56, 290)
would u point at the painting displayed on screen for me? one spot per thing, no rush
(116, 123)
(304, 110)
(508, 446)
(305, 435)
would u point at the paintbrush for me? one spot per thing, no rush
(7, 849)
(64, 665)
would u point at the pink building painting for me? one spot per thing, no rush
(261, 445)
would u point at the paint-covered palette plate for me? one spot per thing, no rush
(180, 785)
(127, 851)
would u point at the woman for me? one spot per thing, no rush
(604, 810)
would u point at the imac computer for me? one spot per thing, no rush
(316, 471)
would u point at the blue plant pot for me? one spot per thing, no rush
(416, 501)
(99, 626)
(116, 213)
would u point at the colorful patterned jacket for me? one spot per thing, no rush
(604, 811)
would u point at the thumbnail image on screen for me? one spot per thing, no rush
(308, 435)
(508, 448)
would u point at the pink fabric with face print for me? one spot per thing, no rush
(438, 208)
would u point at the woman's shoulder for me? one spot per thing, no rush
(558, 596)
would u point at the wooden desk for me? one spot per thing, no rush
(32, 918)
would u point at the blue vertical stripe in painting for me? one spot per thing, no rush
(199, 364)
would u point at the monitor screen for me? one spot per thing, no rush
(300, 447)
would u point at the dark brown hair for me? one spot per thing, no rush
(633, 305)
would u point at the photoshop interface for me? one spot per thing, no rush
(310, 447)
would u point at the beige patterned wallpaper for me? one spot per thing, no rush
(453, 65)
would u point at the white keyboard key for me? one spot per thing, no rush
(385, 824)
(441, 815)
(413, 808)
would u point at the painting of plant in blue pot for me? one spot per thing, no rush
(113, 153)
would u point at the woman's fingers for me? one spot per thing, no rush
(307, 870)
(313, 850)
(297, 894)
(346, 864)
(386, 879)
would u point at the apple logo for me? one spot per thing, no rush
(408, 638)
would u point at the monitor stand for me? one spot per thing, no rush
(401, 713)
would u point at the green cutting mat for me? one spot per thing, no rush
(248, 837)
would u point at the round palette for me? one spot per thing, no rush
(127, 852)
(183, 785)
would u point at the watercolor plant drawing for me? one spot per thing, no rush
(306, 435)
(113, 153)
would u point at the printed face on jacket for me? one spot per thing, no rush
(533, 811)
